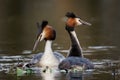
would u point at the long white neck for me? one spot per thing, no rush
(75, 36)
(48, 46)
(48, 58)
(75, 49)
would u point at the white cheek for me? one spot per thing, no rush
(42, 36)
(78, 22)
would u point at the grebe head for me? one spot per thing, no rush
(73, 20)
(46, 32)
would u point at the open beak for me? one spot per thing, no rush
(84, 22)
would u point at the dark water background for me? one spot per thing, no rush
(100, 42)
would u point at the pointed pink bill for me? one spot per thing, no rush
(84, 22)
(37, 42)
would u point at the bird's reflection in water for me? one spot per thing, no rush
(51, 74)
(58, 76)
(74, 76)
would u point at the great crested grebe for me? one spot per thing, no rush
(48, 58)
(75, 58)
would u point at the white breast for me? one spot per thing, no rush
(49, 60)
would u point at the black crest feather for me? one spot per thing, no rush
(70, 14)
(44, 23)
(41, 27)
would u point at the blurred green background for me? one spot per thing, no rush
(18, 23)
